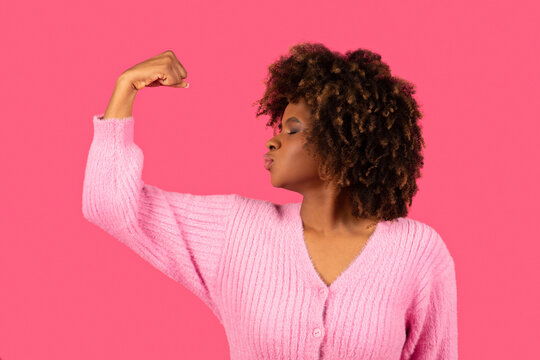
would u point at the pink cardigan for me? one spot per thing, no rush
(246, 259)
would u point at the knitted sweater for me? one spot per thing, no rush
(246, 259)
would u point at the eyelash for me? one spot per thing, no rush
(292, 132)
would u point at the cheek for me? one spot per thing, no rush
(299, 159)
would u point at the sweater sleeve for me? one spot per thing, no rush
(180, 234)
(433, 328)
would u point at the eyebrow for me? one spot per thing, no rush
(292, 118)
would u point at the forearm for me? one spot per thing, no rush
(122, 99)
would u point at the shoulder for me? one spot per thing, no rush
(259, 209)
(421, 233)
(426, 242)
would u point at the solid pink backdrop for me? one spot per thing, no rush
(68, 290)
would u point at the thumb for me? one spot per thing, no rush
(182, 84)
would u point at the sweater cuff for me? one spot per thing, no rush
(116, 130)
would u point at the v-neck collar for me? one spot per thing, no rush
(306, 263)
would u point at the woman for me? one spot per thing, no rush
(341, 275)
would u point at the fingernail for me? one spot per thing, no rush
(187, 85)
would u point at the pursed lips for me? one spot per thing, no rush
(268, 161)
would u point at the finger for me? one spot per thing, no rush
(177, 71)
(182, 70)
(155, 80)
(182, 84)
(180, 81)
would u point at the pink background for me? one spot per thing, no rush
(70, 291)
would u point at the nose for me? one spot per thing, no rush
(272, 144)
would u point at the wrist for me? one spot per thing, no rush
(121, 101)
(125, 86)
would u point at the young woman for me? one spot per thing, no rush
(342, 275)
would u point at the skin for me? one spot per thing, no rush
(332, 236)
(325, 212)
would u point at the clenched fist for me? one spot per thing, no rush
(161, 70)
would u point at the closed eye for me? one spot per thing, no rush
(289, 133)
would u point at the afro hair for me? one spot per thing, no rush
(365, 133)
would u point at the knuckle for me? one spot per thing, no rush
(169, 60)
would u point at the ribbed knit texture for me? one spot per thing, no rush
(246, 259)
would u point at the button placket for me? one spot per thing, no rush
(317, 331)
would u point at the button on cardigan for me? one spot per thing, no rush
(246, 259)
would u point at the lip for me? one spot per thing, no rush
(268, 161)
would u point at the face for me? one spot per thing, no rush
(293, 168)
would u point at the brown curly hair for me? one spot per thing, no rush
(365, 132)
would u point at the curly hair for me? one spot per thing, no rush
(365, 132)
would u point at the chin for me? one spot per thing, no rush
(275, 183)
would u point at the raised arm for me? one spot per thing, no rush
(180, 234)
